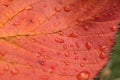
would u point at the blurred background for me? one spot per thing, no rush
(112, 71)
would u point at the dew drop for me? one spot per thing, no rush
(113, 28)
(5, 4)
(6, 68)
(47, 57)
(65, 46)
(77, 44)
(58, 9)
(67, 63)
(59, 53)
(38, 54)
(2, 53)
(84, 75)
(67, 54)
(74, 34)
(71, 45)
(52, 69)
(75, 52)
(14, 71)
(41, 62)
(102, 48)
(30, 7)
(15, 23)
(82, 65)
(76, 57)
(8, 15)
(67, 8)
(79, 20)
(88, 45)
(102, 55)
(86, 28)
(84, 58)
(59, 40)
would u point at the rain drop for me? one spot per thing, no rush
(82, 65)
(6, 68)
(88, 45)
(52, 69)
(113, 28)
(30, 7)
(76, 57)
(102, 55)
(8, 15)
(84, 75)
(86, 28)
(58, 9)
(2, 53)
(59, 40)
(14, 71)
(74, 34)
(67, 54)
(67, 8)
(67, 63)
(102, 48)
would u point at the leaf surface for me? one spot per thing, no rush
(56, 39)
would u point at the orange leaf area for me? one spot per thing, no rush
(56, 39)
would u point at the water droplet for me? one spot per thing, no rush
(61, 2)
(113, 28)
(71, 45)
(14, 71)
(67, 8)
(58, 9)
(1, 25)
(52, 69)
(82, 65)
(77, 44)
(8, 15)
(102, 55)
(88, 45)
(30, 7)
(76, 57)
(84, 58)
(2, 53)
(84, 75)
(86, 28)
(75, 52)
(41, 62)
(114, 5)
(65, 46)
(102, 48)
(47, 57)
(55, 25)
(61, 34)
(5, 4)
(74, 34)
(67, 54)
(6, 68)
(38, 54)
(67, 63)
(79, 20)
(59, 40)
(59, 53)
(15, 23)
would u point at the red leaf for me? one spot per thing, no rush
(56, 39)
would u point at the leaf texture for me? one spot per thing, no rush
(56, 39)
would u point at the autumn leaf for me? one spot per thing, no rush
(56, 39)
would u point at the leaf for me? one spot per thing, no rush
(56, 39)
